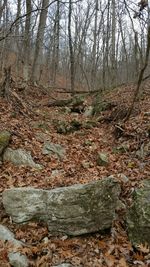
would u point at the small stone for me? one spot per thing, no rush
(85, 164)
(88, 143)
(102, 159)
(89, 111)
(45, 240)
(64, 237)
(123, 178)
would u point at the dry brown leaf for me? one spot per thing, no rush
(122, 263)
(139, 256)
(144, 248)
(102, 244)
(109, 260)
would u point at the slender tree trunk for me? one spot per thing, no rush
(113, 43)
(39, 41)
(94, 50)
(55, 60)
(27, 41)
(125, 54)
(106, 57)
(17, 33)
(3, 24)
(72, 72)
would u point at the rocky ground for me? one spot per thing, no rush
(127, 157)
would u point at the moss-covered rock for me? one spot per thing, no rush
(60, 126)
(90, 124)
(64, 127)
(138, 215)
(4, 140)
(99, 106)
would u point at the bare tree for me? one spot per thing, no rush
(142, 5)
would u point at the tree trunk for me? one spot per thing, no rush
(94, 50)
(55, 60)
(27, 41)
(113, 43)
(71, 48)
(39, 41)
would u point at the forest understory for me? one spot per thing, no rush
(35, 122)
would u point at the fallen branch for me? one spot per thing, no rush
(60, 103)
(146, 77)
(64, 90)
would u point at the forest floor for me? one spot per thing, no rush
(111, 249)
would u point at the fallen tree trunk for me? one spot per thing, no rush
(60, 103)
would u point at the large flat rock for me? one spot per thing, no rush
(72, 210)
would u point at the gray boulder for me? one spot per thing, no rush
(4, 140)
(20, 157)
(72, 210)
(16, 259)
(138, 216)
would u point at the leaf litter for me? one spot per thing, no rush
(111, 249)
